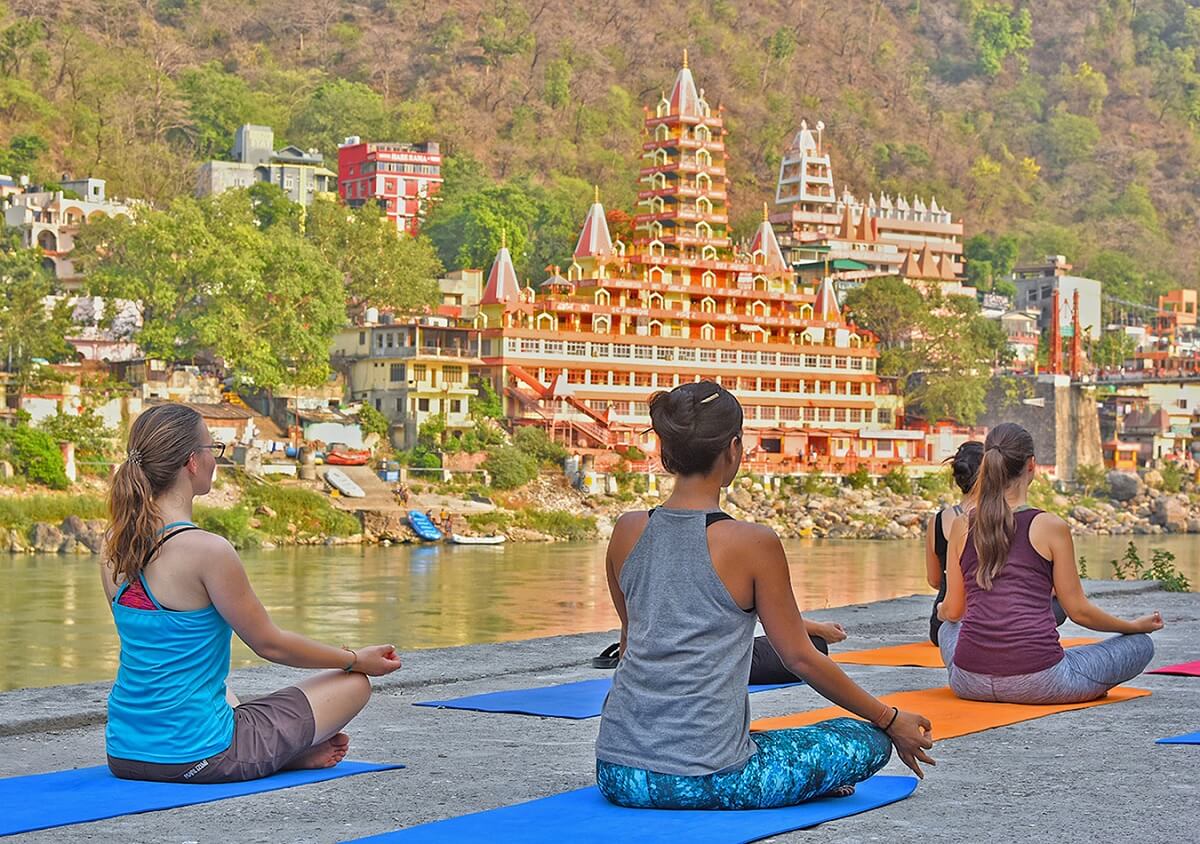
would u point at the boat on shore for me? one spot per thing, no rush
(459, 539)
(423, 527)
(342, 482)
(348, 458)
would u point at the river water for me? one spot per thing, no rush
(55, 626)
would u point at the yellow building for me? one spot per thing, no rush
(410, 371)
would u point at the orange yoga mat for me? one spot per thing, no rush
(951, 716)
(916, 655)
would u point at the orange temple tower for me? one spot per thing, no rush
(582, 354)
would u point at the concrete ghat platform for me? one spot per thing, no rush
(1075, 776)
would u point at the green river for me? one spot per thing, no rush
(56, 628)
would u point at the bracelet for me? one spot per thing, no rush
(895, 715)
(350, 667)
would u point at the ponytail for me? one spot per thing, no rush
(133, 520)
(1006, 451)
(161, 441)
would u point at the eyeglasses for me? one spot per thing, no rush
(218, 449)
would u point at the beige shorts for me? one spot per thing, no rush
(268, 732)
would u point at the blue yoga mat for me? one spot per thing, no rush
(1189, 738)
(579, 700)
(585, 817)
(43, 801)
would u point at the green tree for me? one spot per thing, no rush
(1113, 349)
(34, 454)
(510, 467)
(371, 421)
(940, 349)
(534, 442)
(218, 103)
(273, 207)
(1069, 138)
(32, 326)
(339, 108)
(379, 265)
(989, 259)
(211, 280)
(997, 32)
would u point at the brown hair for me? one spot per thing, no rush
(695, 423)
(160, 443)
(1006, 451)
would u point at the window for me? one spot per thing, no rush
(640, 408)
(452, 374)
(419, 372)
(553, 347)
(600, 350)
(397, 373)
(826, 362)
(577, 350)
(883, 416)
(399, 405)
(362, 338)
(456, 406)
(379, 404)
(423, 405)
(823, 414)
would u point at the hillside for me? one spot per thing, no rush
(1069, 124)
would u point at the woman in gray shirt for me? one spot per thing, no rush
(688, 583)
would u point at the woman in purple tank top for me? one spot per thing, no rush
(1004, 564)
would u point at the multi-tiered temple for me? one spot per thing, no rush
(583, 354)
(817, 223)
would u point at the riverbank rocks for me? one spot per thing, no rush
(1124, 486)
(80, 536)
(1171, 514)
(46, 539)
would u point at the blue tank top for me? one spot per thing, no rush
(168, 704)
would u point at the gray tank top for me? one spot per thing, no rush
(679, 703)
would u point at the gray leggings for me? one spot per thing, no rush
(1085, 673)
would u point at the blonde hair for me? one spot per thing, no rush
(160, 442)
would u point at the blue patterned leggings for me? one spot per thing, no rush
(790, 767)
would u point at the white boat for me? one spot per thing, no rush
(340, 481)
(459, 539)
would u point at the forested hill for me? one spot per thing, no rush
(1069, 124)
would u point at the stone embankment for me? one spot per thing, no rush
(1126, 503)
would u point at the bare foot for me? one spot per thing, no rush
(840, 791)
(324, 755)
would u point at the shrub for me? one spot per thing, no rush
(860, 478)
(371, 421)
(535, 442)
(1172, 477)
(22, 512)
(309, 511)
(815, 484)
(510, 467)
(1091, 478)
(35, 455)
(559, 523)
(898, 481)
(1161, 568)
(233, 523)
(936, 483)
(419, 457)
(632, 453)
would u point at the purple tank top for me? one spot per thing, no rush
(1009, 629)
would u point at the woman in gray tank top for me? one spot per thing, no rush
(688, 583)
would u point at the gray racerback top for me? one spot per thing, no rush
(678, 703)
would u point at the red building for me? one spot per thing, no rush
(401, 177)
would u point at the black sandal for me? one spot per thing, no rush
(608, 657)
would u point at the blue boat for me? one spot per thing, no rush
(422, 527)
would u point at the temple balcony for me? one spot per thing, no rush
(682, 190)
(683, 119)
(691, 215)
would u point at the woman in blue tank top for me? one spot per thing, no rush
(688, 583)
(178, 594)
